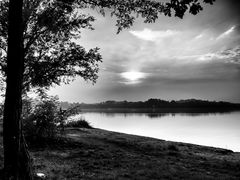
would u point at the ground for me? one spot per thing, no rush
(100, 154)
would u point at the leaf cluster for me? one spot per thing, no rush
(126, 11)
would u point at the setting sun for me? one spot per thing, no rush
(133, 75)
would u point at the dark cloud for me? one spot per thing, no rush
(237, 28)
(231, 55)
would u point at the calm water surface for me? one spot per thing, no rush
(218, 130)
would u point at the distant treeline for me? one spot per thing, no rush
(158, 105)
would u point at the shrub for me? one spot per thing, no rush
(81, 123)
(44, 119)
(41, 122)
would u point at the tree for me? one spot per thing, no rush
(16, 164)
(37, 39)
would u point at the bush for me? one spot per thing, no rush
(40, 122)
(43, 119)
(81, 123)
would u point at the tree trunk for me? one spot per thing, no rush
(17, 164)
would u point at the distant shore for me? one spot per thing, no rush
(157, 105)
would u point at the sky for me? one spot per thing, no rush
(172, 59)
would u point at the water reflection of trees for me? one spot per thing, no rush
(128, 114)
(194, 114)
(152, 115)
(157, 115)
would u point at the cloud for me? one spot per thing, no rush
(226, 33)
(199, 36)
(150, 35)
(229, 55)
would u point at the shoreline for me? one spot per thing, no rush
(170, 141)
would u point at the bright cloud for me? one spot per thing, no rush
(226, 33)
(150, 35)
(199, 36)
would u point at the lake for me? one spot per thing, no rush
(210, 129)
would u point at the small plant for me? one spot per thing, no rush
(81, 123)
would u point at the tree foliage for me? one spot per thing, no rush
(51, 55)
(126, 11)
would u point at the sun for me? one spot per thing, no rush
(133, 76)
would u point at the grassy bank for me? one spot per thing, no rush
(100, 154)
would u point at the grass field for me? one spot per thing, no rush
(100, 154)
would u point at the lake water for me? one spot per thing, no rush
(217, 130)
